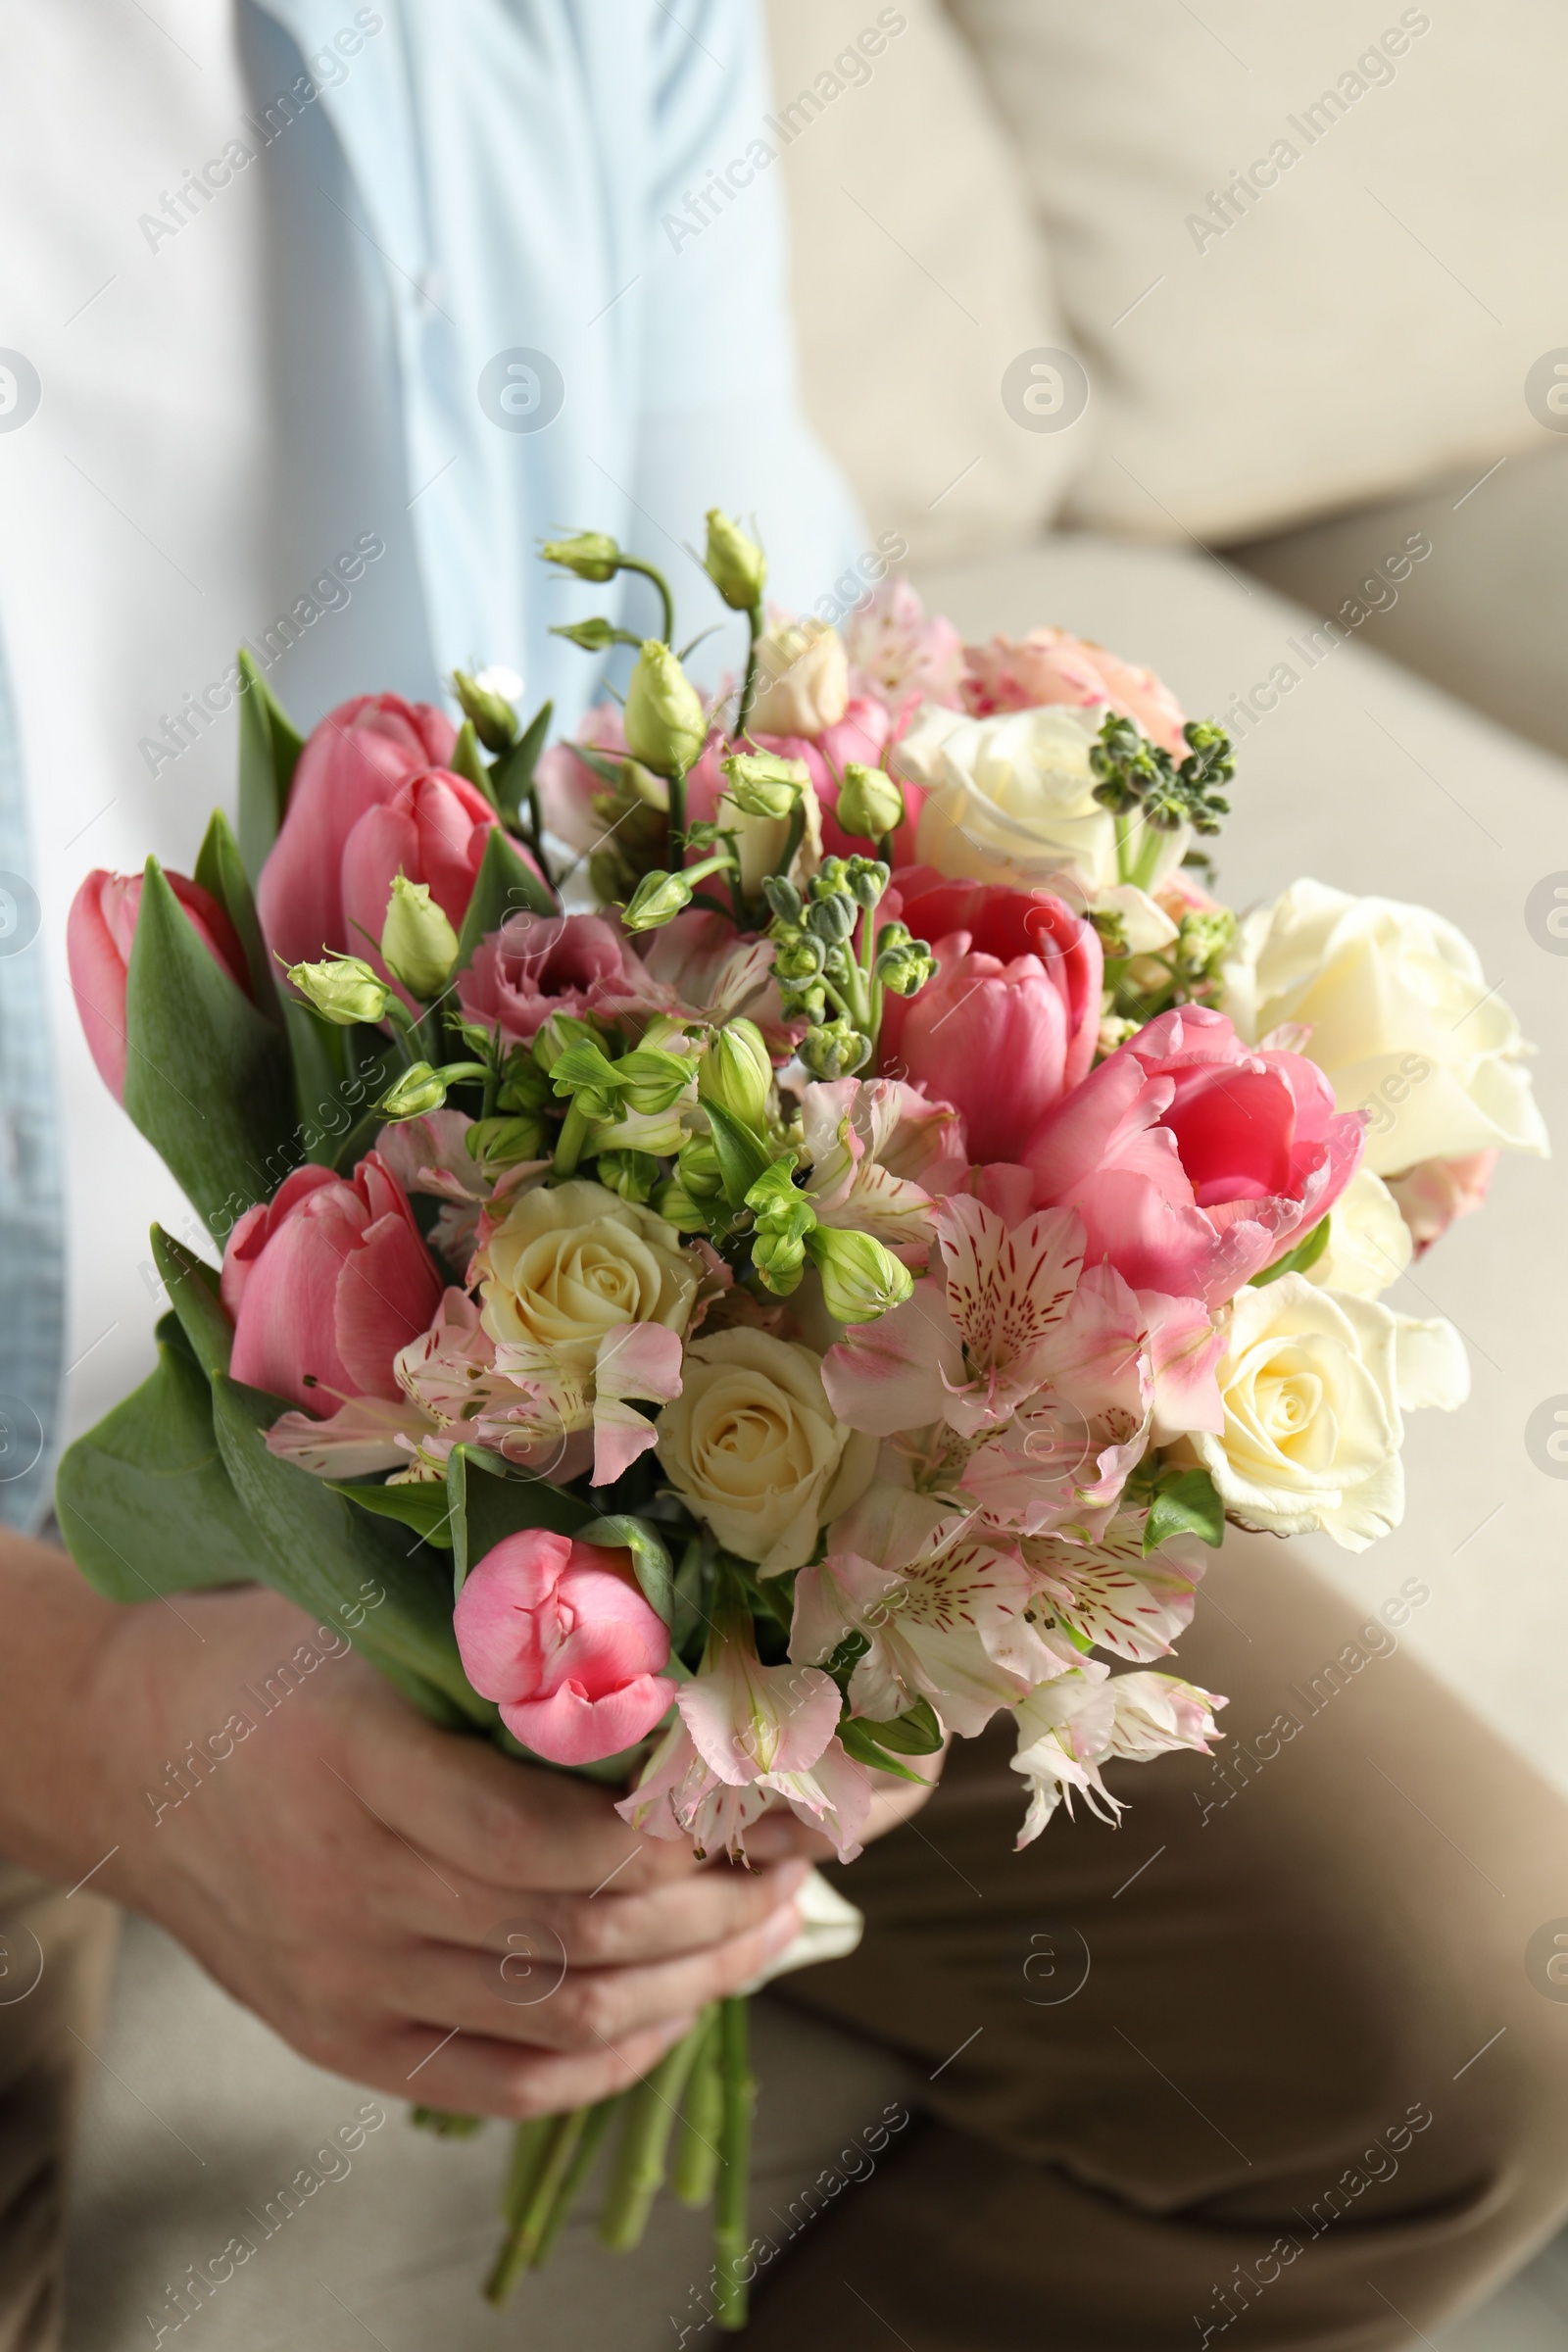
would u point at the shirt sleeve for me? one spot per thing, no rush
(720, 423)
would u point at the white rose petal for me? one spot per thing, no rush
(1369, 1243)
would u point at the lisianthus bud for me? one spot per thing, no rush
(418, 1090)
(761, 784)
(495, 721)
(658, 899)
(344, 990)
(736, 564)
(860, 1278)
(665, 722)
(419, 945)
(634, 782)
(834, 1050)
(736, 1073)
(591, 555)
(870, 804)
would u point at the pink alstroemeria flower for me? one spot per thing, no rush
(561, 1636)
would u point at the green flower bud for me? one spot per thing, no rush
(495, 721)
(344, 990)
(658, 899)
(870, 804)
(674, 1203)
(554, 1037)
(798, 959)
(418, 945)
(868, 880)
(666, 726)
(632, 1174)
(634, 782)
(904, 965)
(835, 1050)
(591, 555)
(523, 1084)
(831, 919)
(418, 1090)
(779, 1260)
(737, 1074)
(503, 1143)
(595, 636)
(761, 784)
(698, 1171)
(736, 564)
(782, 897)
(860, 1278)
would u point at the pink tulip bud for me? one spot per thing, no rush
(325, 1282)
(559, 1633)
(357, 759)
(99, 932)
(433, 830)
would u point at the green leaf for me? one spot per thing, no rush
(916, 1733)
(193, 1294)
(145, 1505)
(858, 1742)
(1295, 1261)
(512, 777)
(270, 747)
(649, 1557)
(206, 1076)
(504, 1502)
(220, 869)
(1185, 1504)
(421, 1504)
(742, 1158)
(467, 762)
(341, 1564)
(506, 883)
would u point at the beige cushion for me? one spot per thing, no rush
(916, 273)
(1365, 322)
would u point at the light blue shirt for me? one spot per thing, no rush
(529, 278)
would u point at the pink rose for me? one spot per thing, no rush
(1009, 1023)
(354, 761)
(325, 1282)
(538, 964)
(99, 932)
(1193, 1160)
(560, 1635)
(1020, 674)
(434, 829)
(1435, 1192)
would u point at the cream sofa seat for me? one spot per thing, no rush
(1363, 775)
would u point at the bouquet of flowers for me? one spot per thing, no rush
(761, 1236)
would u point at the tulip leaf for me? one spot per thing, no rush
(422, 1506)
(506, 884)
(269, 748)
(220, 869)
(1185, 1503)
(467, 762)
(742, 1158)
(193, 1294)
(344, 1567)
(1297, 1261)
(502, 1504)
(649, 1557)
(206, 1076)
(512, 777)
(144, 1501)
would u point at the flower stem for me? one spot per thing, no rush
(676, 852)
(595, 2126)
(735, 2150)
(636, 564)
(753, 624)
(574, 1134)
(529, 2211)
(639, 2174)
(695, 2165)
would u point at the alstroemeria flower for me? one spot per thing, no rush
(880, 1155)
(1067, 1729)
(1109, 1593)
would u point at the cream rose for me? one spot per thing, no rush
(572, 1261)
(1369, 1242)
(805, 674)
(1011, 798)
(1398, 1015)
(1315, 1383)
(752, 1446)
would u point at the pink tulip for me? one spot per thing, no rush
(1194, 1160)
(1009, 1023)
(325, 1282)
(1022, 673)
(355, 759)
(434, 829)
(538, 964)
(99, 932)
(560, 1635)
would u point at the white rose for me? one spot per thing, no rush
(1314, 1385)
(752, 1446)
(1011, 798)
(571, 1261)
(1369, 1243)
(1400, 1016)
(805, 680)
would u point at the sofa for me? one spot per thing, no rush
(1276, 385)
